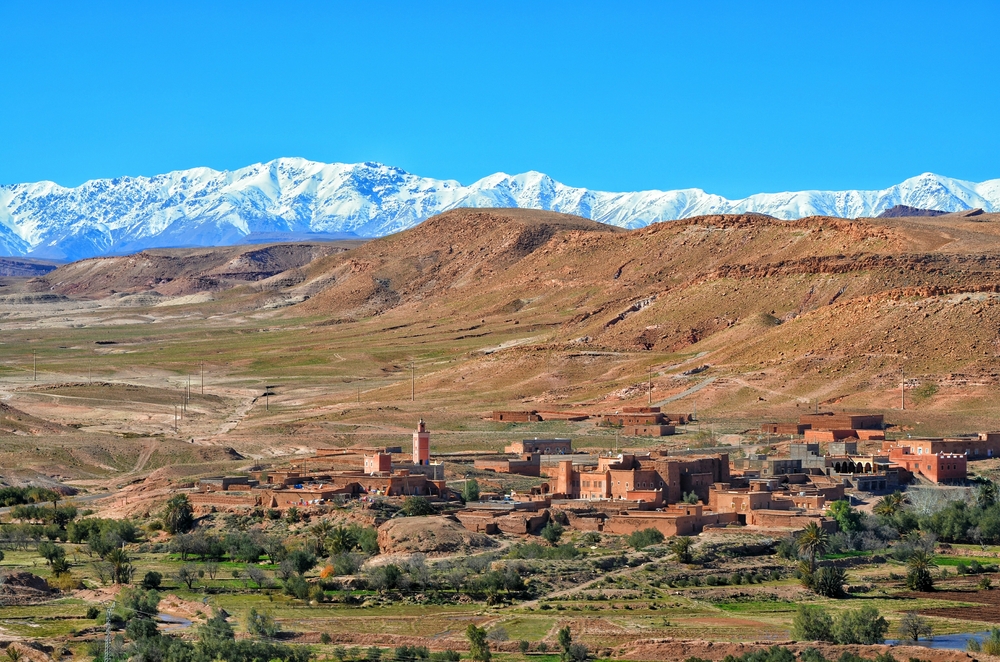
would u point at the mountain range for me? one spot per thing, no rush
(293, 197)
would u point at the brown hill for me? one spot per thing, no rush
(15, 421)
(825, 306)
(173, 272)
(515, 306)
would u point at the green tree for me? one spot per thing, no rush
(120, 564)
(986, 494)
(848, 518)
(681, 547)
(565, 641)
(152, 580)
(812, 623)
(261, 624)
(812, 542)
(918, 574)
(890, 504)
(860, 626)
(644, 538)
(342, 540)
(320, 532)
(216, 629)
(301, 561)
(178, 515)
(417, 506)
(51, 551)
(829, 581)
(552, 532)
(470, 490)
(479, 647)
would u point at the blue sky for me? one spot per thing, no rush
(731, 97)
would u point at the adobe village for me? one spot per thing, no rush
(509, 435)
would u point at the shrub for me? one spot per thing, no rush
(829, 581)
(860, 626)
(297, 586)
(261, 624)
(152, 579)
(644, 538)
(416, 506)
(93, 612)
(552, 532)
(812, 623)
(325, 639)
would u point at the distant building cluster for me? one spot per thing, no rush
(938, 460)
(675, 492)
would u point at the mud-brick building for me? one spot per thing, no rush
(653, 478)
(676, 520)
(937, 467)
(516, 416)
(978, 446)
(528, 464)
(828, 420)
(556, 446)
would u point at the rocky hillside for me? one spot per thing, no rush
(173, 272)
(544, 307)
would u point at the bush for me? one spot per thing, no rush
(152, 580)
(860, 626)
(297, 586)
(644, 538)
(261, 624)
(829, 581)
(552, 532)
(812, 623)
(681, 547)
(93, 612)
(416, 506)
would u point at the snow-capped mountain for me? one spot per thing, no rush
(202, 206)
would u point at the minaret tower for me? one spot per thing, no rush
(421, 444)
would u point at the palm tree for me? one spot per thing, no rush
(987, 494)
(321, 530)
(121, 565)
(342, 540)
(918, 577)
(812, 542)
(890, 504)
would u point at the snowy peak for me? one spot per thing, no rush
(202, 206)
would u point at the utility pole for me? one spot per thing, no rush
(650, 384)
(34, 366)
(107, 634)
(902, 390)
(175, 418)
(412, 383)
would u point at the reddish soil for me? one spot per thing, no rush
(680, 649)
(988, 612)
